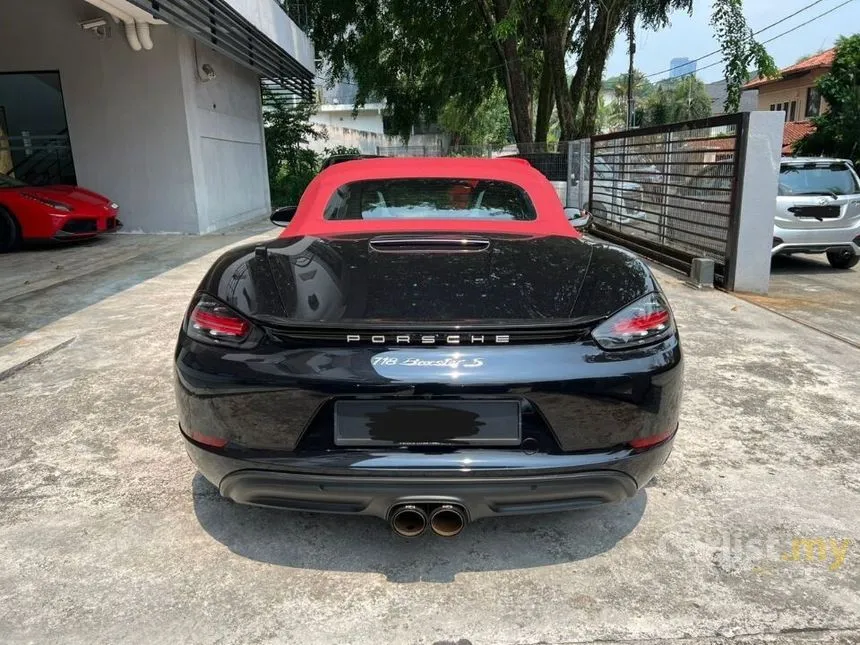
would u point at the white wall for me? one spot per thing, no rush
(368, 119)
(125, 109)
(757, 195)
(228, 153)
(270, 19)
(368, 142)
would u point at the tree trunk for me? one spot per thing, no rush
(555, 38)
(517, 87)
(519, 92)
(545, 100)
(583, 65)
(590, 100)
(585, 85)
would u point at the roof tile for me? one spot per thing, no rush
(824, 59)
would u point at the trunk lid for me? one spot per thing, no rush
(377, 279)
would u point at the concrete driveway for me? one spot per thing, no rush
(749, 534)
(807, 289)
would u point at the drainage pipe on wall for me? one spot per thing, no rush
(143, 35)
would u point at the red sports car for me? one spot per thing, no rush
(32, 213)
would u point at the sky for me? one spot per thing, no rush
(692, 36)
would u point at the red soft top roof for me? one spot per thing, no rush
(550, 215)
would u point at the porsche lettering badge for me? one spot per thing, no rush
(430, 339)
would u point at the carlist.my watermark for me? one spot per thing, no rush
(736, 552)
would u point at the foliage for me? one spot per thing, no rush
(291, 165)
(415, 55)
(643, 89)
(740, 50)
(610, 115)
(681, 99)
(485, 124)
(837, 131)
(424, 58)
(293, 177)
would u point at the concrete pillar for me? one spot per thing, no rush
(758, 175)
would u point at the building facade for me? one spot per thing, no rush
(342, 124)
(155, 104)
(718, 92)
(794, 93)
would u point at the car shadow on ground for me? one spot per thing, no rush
(801, 264)
(366, 544)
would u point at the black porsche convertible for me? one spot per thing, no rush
(430, 342)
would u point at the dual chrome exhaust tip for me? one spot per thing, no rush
(411, 520)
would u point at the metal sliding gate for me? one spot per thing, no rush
(671, 192)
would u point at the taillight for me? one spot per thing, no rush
(643, 443)
(211, 321)
(206, 440)
(646, 321)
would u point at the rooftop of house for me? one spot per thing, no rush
(793, 131)
(818, 61)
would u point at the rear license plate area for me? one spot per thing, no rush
(816, 212)
(427, 423)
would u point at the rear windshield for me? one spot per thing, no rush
(817, 179)
(467, 199)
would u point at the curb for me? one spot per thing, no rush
(18, 364)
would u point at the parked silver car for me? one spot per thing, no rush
(818, 210)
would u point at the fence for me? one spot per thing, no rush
(670, 192)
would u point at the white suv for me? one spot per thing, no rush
(818, 210)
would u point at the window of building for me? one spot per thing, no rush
(813, 102)
(789, 109)
(34, 136)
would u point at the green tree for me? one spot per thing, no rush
(741, 51)
(418, 55)
(837, 131)
(610, 115)
(642, 91)
(484, 124)
(291, 165)
(682, 99)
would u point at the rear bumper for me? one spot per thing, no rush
(792, 240)
(534, 483)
